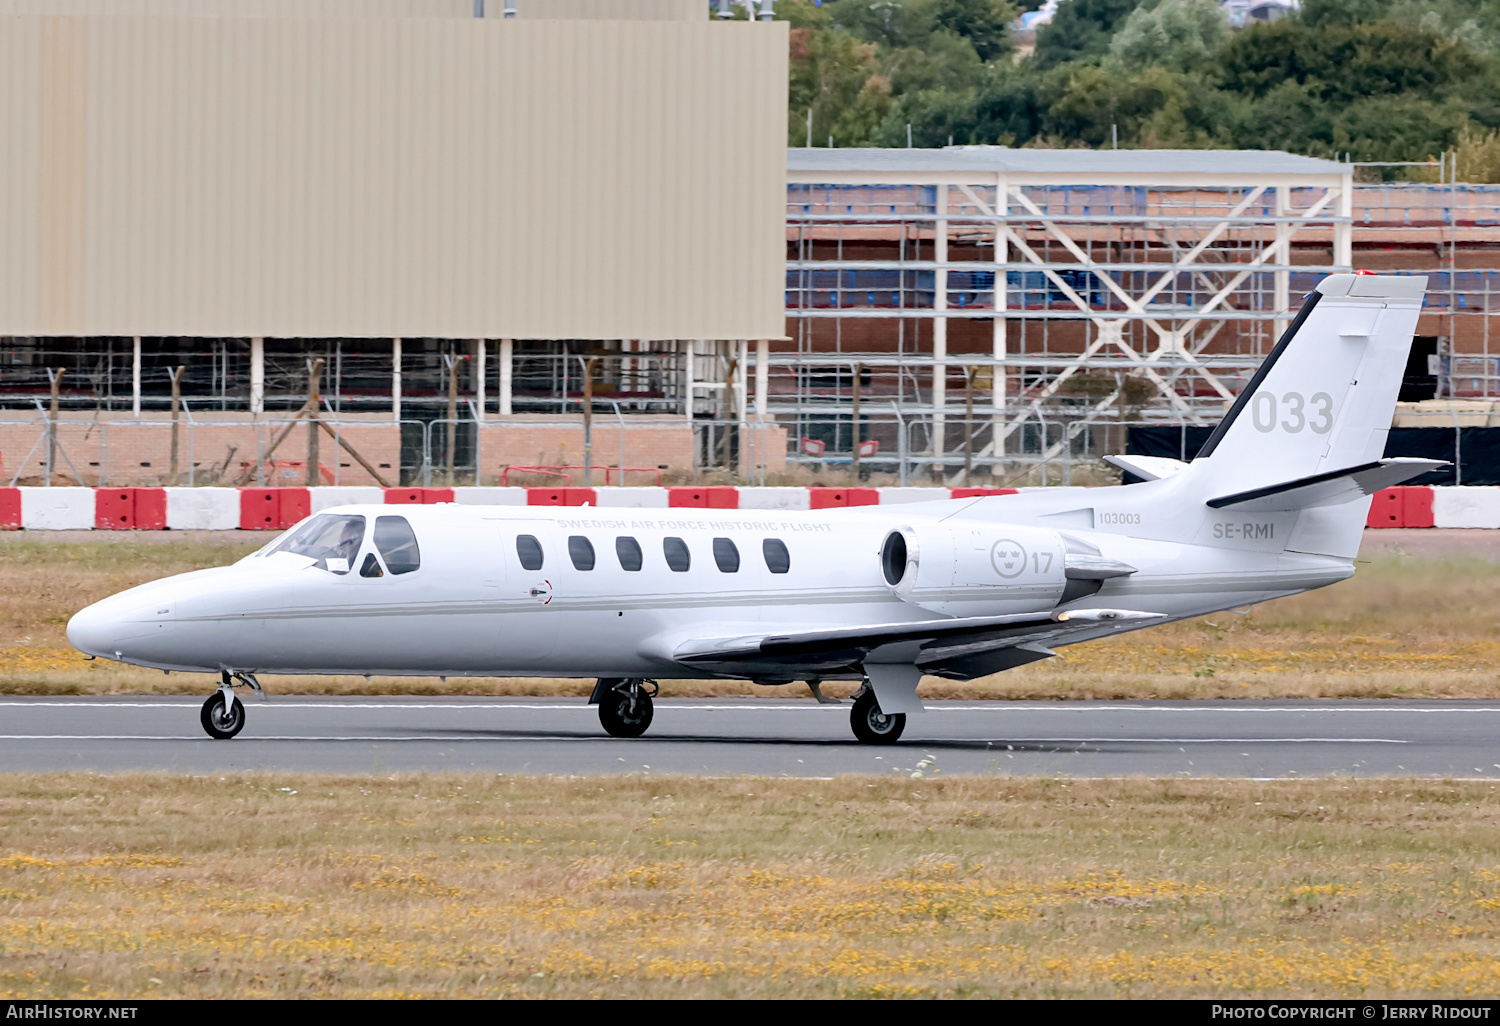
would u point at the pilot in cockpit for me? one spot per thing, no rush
(348, 545)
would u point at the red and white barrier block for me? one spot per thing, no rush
(1463, 506)
(275, 509)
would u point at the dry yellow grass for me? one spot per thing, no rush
(1404, 626)
(470, 885)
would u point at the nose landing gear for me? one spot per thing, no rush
(624, 705)
(222, 718)
(223, 715)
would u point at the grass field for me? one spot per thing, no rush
(1404, 626)
(450, 885)
(156, 885)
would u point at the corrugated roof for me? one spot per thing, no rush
(234, 177)
(526, 10)
(996, 159)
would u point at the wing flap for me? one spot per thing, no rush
(925, 643)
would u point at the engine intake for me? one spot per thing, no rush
(974, 570)
(897, 557)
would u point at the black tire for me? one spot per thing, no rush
(617, 716)
(872, 726)
(222, 727)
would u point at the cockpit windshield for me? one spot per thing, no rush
(331, 539)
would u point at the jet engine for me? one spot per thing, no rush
(975, 569)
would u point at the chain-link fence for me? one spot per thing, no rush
(1043, 448)
(196, 451)
(192, 450)
(607, 449)
(887, 446)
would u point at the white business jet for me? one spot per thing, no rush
(1273, 504)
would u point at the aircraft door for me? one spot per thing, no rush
(532, 554)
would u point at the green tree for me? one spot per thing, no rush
(947, 61)
(1291, 117)
(837, 78)
(935, 116)
(1080, 28)
(1320, 14)
(1396, 128)
(1180, 34)
(1008, 110)
(1478, 155)
(1384, 79)
(1345, 62)
(889, 23)
(984, 23)
(1153, 107)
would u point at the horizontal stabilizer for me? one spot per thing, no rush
(1147, 468)
(1331, 489)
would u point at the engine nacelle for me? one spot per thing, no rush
(975, 569)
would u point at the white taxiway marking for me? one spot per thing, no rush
(930, 740)
(762, 706)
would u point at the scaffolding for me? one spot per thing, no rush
(1028, 286)
(981, 309)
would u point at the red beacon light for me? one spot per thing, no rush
(1363, 271)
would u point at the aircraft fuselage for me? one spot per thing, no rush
(470, 606)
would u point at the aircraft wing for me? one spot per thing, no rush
(962, 647)
(1330, 489)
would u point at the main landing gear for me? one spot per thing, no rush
(624, 705)
(872, 726)
(223, 714)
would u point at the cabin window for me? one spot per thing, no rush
(778, 559)
(371, 567)
(330, 539)
(581, 552)
(397, 544)
(676, 551)
(727, 556)
(529, 552)
(629, 551)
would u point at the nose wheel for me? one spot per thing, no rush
(223, 720)
(624, 705)
(223, 714)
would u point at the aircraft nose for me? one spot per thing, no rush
(95, 630)
(104, 628)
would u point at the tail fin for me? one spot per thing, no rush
(1314, 419)
(1323, 400)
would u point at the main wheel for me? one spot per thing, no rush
(625, 714)
(221, 724)
(872, 726)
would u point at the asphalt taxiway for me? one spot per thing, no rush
(770, 737)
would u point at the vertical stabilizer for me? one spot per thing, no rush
(1320, 404)
(1323, 400)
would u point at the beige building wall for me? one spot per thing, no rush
(606, 10)
(432, 178)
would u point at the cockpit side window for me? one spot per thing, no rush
(371, 567)
(397, 544)
(331, 539)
